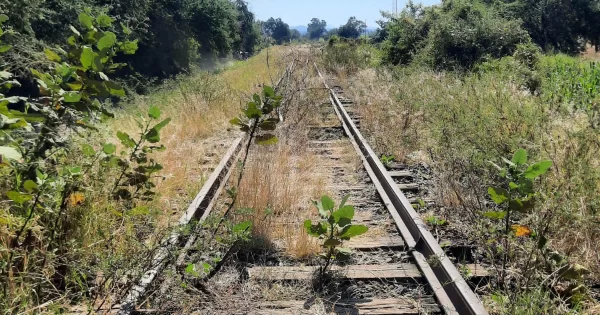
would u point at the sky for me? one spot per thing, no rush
(334, 12)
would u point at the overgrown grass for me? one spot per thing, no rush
(104, 249)
(459, 123)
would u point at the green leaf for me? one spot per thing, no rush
(75, 31)
(72, 97)
(314, 230)
(9, 153)
(256, 99)
(87, 58)
(242, 227)
(521, 205)
(269, 91)
(75, 86)
(267, 139)
(104, 20)
(206, 268)
(327, 203)
(5, 48)
(252, 111)
(269, 124)
(162, 124)
(109, 148)
(237, 122)
(125, 139)
(107, 41)
(538, 169)
(344, 200)
(154, 112)
(344, 250)
(331, 243)
(52, 56)
(126, 30)
(495, 215)
(97, 65)
(5, 75)
(526, 186)
(139, 211)
(352, 231)
(498, 195)
(130, 47)
(88, 150)
(319, 207)
(76, 170)
(346, 212)
(30, 186)
(190, 269)
(572, 271)
(86, 21)
(19, 198)
(3, 18)
(153, 136)
(520, 157)
(115, 89)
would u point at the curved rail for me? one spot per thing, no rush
(451, 290)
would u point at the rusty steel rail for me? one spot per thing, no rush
(450, 289)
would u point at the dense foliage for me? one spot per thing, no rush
(458, 34)
(316, 28)
(172, 36)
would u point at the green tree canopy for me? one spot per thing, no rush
(278, 30)
(352, 29)
(316, 28)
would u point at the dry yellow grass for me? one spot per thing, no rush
(200, 107)
(463, 124)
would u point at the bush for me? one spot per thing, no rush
(467, 33)
(456, 35)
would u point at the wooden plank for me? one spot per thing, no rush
(376, 242)
(411, 186)
(400, 173)
(392, 271)
(353, 306)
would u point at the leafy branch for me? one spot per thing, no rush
(333, 229)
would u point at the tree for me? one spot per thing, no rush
(352, 29)
(560, 25)
(278, 30)
(249, 35)
(316, 28)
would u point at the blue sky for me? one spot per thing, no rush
(335, 12)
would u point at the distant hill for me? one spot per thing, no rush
(303, 29)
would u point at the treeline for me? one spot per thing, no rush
(281, 32)
(172, 36)
(459, 34)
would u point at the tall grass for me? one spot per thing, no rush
(459, 123)
(103, 250)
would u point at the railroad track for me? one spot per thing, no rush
(398, 267)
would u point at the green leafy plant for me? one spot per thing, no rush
(334, 227)
(136, 167)
(387, 160)
(518, 196)
(259, 118)
(36, 148)
(435, 221)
